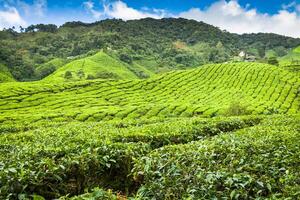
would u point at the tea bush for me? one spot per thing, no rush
(257, 162)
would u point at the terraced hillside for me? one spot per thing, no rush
(291, 60)
(159, 138)
(99, 65)
(211, 90)
(175, 158)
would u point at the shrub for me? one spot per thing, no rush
(107, 75)
(80, 74)
(256, 163)
(68, 75)
(273, 61)
(90, 77)
(96, 193)
(236, 109)
(126, 58)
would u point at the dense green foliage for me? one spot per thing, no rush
(168, 43)
(255, 163)
(297, 50)
(208, 90)
(48, 68)
(219, 131)
(291, 61)
(56, 159)
(5, 75)
(179, 135)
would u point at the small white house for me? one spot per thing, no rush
(242, 54)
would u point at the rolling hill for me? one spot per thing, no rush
(231, 130)
(210, 90)
(168, 43)
(291, 61)
(148, 109)
(99, 65)
(49, 67)
(297, 50)
(292, 56)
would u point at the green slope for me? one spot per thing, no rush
(99, 65)
(48, 68)
(291, 58)
(126, 136)
(291, 61)
(5, 75)
(297, 50)
(211, 90)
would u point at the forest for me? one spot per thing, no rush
(168, 43)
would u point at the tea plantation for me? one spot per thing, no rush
(220, 131)
(99, 65)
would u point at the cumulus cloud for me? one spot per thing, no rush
(10, 17)
(226, 14)
(120, 10)
(37, 8)
(15, 12)
(230, 15)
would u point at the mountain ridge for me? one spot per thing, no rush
(133, 41)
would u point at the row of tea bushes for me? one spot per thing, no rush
(254, 163)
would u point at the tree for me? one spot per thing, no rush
(21, 29)
(273, 61)
(80, 74)
(90, 77)
(280, 51)
(30, 29)
(219, 45)
(125, 58)
(261, 51)
(45, 71)
(51, 28)
(68, 75)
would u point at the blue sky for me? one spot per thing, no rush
(239, 16)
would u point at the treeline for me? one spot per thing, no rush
(172, 43)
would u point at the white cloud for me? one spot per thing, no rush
(226, 14)
(89, 6)
(120, 10)
(37, 8)
(289, 5)
(17, 12)
(10, 17)
(230, 15)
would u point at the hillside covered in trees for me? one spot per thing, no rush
(144, 46)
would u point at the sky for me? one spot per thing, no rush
(237, 16)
